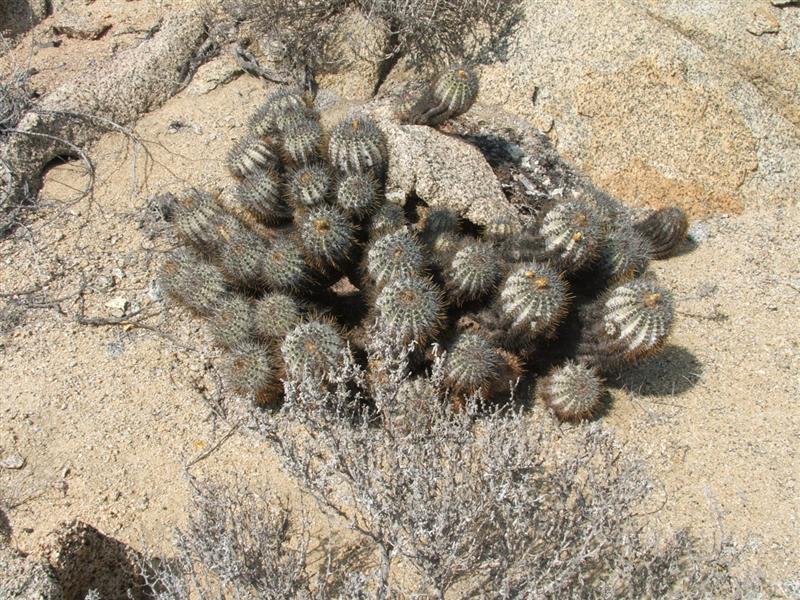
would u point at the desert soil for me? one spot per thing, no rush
(107, 418)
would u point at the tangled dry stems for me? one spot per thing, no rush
(427, 33)
(478, 502)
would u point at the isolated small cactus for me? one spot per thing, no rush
(474, 273)
(261, 197)
(275, 315)
(571, 234)
(357, 145)
(665, 229)
(395, 255)
(534, 299)
(327, 236)
(309, 186)
(313, 348)
(452, 94)
(410, 308)
(472, 365)
(358, 194)
(572, 391)
(253, 369)
(253, 154)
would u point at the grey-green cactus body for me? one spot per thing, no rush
(571, 234)
(357, 145)
(309, 186)
(261, 195)
(327, 235)
(472, 365)
(252, 369)
(394, 255)
(452, 94)
(637, 316)
(534, 299)
(275, 314)
(474, 272)
(572, 391)
(253, 154)
(358, 194)
(410, 308)
(232, 322)
(312, 348)
(665, 229)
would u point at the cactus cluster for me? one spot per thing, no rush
(559, 304)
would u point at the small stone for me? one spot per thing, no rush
(15, 461)
(118, 306)
(698, 233)
(763, 22)
(79, 27)
(786, 2)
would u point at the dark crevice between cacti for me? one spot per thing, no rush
(393, 55)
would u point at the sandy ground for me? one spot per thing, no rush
(107, 418)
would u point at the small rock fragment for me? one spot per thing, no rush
(80, 27)
(118, 306)
(15, 461)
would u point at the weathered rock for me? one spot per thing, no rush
(80, 27)
(662, 102)
(85, 559)
(444, 171)
(24, 578)
(360, 48)
(17, 16)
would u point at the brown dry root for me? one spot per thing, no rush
(107, 97)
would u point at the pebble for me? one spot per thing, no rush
(699, 233)
(15, 461)
(118, 306)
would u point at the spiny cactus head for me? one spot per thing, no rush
(534, 299)
(327, 236)
(638, 317)
(275, 315)
(252, 369)
(309, 186)
(189, 280)
(665, 229)
(438, 220)
(195, 220)
(281, 101)
(241, 259)
(302, 141)
(572, 391)
(285, 268)
(312, 348)
(474, 272)
(358, 194)
(451, 94)
(625, 254)
(571, 234)
(260, 196)
(387, 219)
(410, 308)
(472, 365)
(456, 88)
(357, 145)
(232, 322)
(394, 255)
(252, 154)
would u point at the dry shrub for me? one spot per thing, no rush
(465, 503)
(429, 33)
